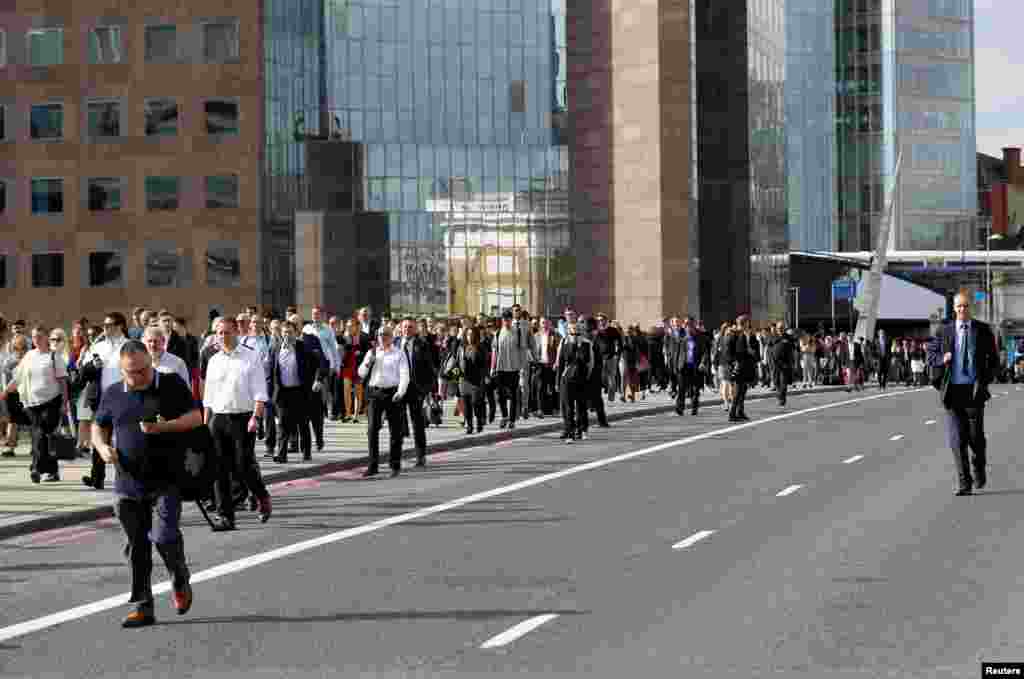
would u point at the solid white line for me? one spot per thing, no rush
(513, 633)
(789, 490)
(855, 458)
(897, 437)
(245, 563)
(929, 421)
(693, 539)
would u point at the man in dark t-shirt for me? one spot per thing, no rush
(144, 415)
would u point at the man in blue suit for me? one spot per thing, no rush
(963, 361)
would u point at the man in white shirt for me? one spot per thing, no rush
(546, 342)
(104, 356)
(386, 372)
(259, 342)
(163, 361)
(235, 400)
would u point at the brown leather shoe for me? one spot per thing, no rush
(183, 599)
(140, 617)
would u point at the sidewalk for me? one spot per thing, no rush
(26, 507)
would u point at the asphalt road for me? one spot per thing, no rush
(808, 545)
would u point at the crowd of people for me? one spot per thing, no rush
(122, 390)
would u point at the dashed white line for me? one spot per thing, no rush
(245, 563)
(929, 421)
(855, 458)
(513, 633)
(693, 539)
(789, 490)
(896, 437)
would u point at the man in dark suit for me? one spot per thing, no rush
(689, 352)
(422, 378)
(884, 359)
(293, 373)
(963, 361)
(742, 361)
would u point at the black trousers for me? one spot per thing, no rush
(490, 391)
(965, 428)
(575, 417)
(508, 394)
(884, 364)
(691, 381)
(293, 405)
(473, 404)
(783, 378)
(235, 449)
(45, 419)
(137, 519)
(413, 403)
(592, 391)
(380, 404)
(739, 402)
(317, 413)
(544, 390)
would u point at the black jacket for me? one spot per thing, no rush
(680, 347)
(308, 368)
(423, 367)
(986, 360)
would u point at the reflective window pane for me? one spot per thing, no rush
(162, 193)
(220, 42)
(48, 270)
(221, 117)
(104, 193)
(46, 121)
(106, 270)
(161, 118)
(105, 45)
(47, 196)
(103, 119)
(46, 47)
(223, 265)
(222, 191)
(161, 44)
(165, 267)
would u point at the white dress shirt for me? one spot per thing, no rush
(37, 376)
(168, 364)
(390, 369)
(234, 382)
(289, 365)
(109, 351)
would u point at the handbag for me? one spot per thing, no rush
(63, 444)
(451, 371)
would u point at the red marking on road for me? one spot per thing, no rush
(298, 484)
(346, 474)
(70, 534)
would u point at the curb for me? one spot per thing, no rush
(67, 519)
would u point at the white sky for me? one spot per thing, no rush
(999, 74)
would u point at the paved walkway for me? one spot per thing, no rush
(26, 507)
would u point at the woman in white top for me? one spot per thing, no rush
(42, 385)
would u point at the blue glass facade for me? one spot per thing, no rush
(454, 114)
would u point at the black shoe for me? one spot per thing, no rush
(319, 446)
(960, 492)
(511, 425)
(680, 412)
(395, 472)
(693, 412)
(90, 482)
(734, 419)
(421, 462)
(142, 616)
(370, 471)
(743, 418)
(480, 429)
(470, 431)
(222, 524)
(980, 478)
(503, 423)
(9, 453)
(51, 478)
(281, 459)
(307, 457)
(34, 476)
(604, 425)
(565, 436)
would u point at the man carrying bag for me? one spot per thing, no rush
(150, 417)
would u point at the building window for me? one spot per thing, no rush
(3, 271)
(161, 118)
(223, 265)
(3, 200)
(165, 266)
(3, 123)
(105, 270)
(220, 42)
(3, 58)
(46, 46)
(48, 270)
(221, 116)
(222, 191)
(47, 196)
(161, 44)
(104, 193)
(162, 193)
(105, 45)
(104, 119)
(46, 121)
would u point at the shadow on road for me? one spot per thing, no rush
(57, 567)
(375, 615)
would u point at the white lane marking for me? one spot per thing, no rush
(929, 421)
(855, 458)
(789, 490)
(245, 563)
(693, 539)
(522, 629)
(897, 437)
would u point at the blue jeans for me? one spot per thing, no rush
(148, 521)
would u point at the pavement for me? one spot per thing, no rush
(819, 540)
(26, 507)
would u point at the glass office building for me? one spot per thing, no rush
(454, 115)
